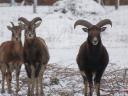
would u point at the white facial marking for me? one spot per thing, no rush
(30, 35)
(95, 41)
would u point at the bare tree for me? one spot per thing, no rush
(117, 3)
(99, 1)
(34, 6)
(96, 0)
(12, 2)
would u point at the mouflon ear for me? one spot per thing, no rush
(9, 28)
(102, 29)
(85, 29)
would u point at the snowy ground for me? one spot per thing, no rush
(63, 42)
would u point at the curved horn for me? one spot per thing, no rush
(24, 20)
(84, 23)
(104, 22)
(36, 19)
(12, 24)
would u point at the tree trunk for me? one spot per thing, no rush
(12, 2)
(117, 3)
(34, 6)
(96, 0)
(99, 1)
